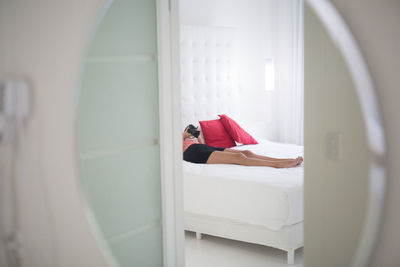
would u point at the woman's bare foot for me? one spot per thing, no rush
(287, 163)
(290, 163)
(299, 160)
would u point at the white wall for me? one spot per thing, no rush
(265, 29)
(250, 18)
(375, 25)
(44, 41)
(335, 189)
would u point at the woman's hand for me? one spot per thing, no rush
(186, 134)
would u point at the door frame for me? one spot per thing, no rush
(170, 132)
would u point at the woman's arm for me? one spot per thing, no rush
(200, 140)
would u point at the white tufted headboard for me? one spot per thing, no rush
(209, 77)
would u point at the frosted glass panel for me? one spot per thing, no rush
(117, 101)
(118, 133)
(128, 28)
(124, 202)
(139, 249)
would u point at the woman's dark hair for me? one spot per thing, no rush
(193, 130)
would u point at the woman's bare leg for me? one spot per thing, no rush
(225, 157)
(250, 154)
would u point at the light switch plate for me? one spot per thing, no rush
(334, 145)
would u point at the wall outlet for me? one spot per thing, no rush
(333, 145)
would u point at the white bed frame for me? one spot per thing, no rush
(289, 238)
(209, 86)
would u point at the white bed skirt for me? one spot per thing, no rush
(287, 238)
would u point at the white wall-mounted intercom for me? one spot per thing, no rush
(14, 107)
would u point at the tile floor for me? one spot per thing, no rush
(213, 251)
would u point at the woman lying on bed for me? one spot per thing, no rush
(196, 152)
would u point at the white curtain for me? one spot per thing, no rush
(288, 40)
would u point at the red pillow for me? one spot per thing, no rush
(215, 134)
(237, 133)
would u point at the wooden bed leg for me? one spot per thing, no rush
(198, 235)
(290, 256)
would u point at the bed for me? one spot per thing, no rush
(259, 205)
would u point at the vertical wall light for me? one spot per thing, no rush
(269, 75)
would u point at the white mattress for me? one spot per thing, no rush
(262, 196)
